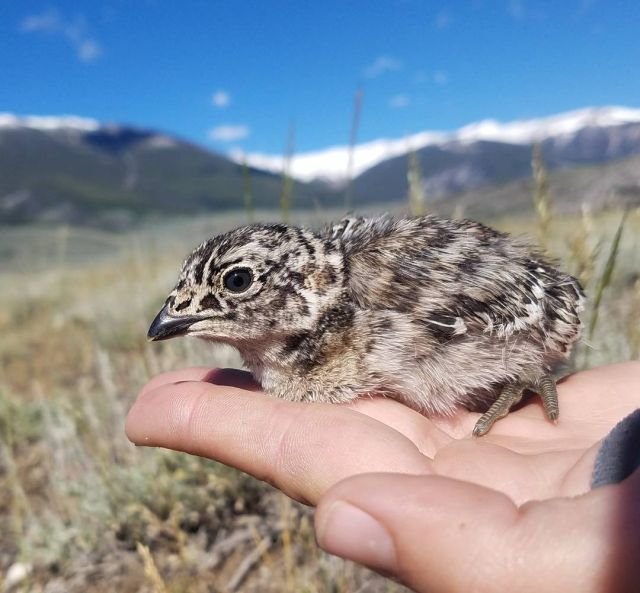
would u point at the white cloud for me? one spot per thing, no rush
(75, 32)
(399, 101)
(221, 99)
(88, 50)
(229, 133)
(517, 9)
(440, 77)
(47, 21)
(381, 65)
(443, 19)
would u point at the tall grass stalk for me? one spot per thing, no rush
(287, 545)
(458, 211)
(18, 502)
(151, 570)
(634, 322)
(247, 192)
(353, 138)
(607, 275)
(541, 197)
(583, 252)
(415, 183)
(286, 197)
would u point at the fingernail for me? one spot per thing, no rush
(350, 533)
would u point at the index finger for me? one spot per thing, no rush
(217, 376)
(301, 448)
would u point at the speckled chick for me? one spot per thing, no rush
(434, 313)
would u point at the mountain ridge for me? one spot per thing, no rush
(456, 167)
(330, 164)
(76, 170)
(112, 175)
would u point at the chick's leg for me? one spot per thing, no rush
(545, 385)
(510, 395)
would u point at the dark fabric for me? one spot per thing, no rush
(619, 454)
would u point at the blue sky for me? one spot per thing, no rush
(235, 74)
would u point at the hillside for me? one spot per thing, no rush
(463, 166)
(114, 175)
(79, 171)
(597, 187)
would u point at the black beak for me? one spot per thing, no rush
(164, 326)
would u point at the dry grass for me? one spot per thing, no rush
(83, 508)
(79, 504)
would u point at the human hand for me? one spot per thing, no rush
(305, 449)
(440, 534)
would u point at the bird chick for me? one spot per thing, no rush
(434, 313)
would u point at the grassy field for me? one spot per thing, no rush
(82, 510)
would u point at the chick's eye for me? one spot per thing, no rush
(238, 280)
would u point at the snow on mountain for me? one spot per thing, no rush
(331, 164)
(84, 125)
(48, 123)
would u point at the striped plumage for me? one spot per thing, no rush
(435, 313)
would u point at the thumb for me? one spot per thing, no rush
(439, 534)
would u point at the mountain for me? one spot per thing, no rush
(77, 170)
(462, 166)
(330, 164)
(604, 185)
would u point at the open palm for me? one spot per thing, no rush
(305, 449)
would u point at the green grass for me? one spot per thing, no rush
(77, 499)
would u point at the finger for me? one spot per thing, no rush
(439, 534)
(230, 377)
(424, 432)
(303, 449)
(598, 398)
